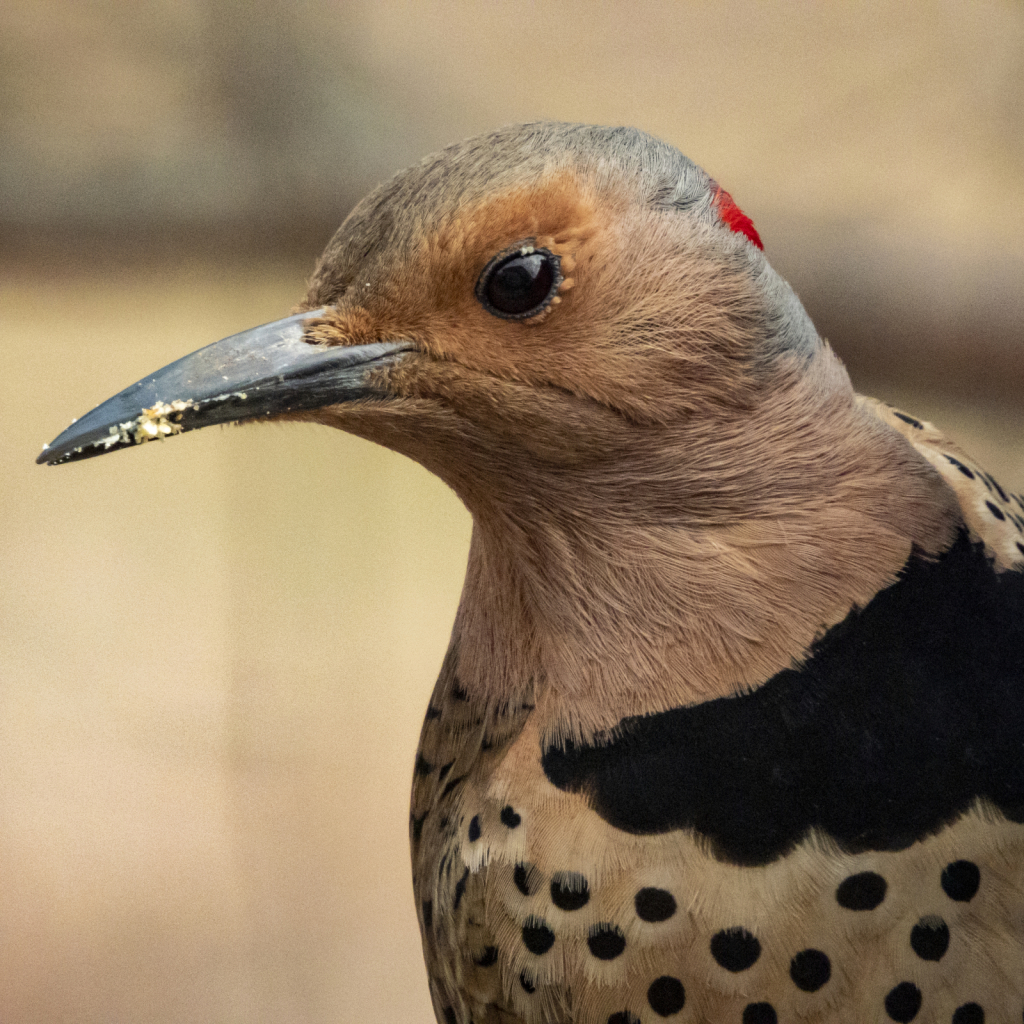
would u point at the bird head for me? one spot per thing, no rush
(577, 329)
(546, 294)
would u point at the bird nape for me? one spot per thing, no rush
(731, 724)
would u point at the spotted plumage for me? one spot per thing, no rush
(833, 923)
(730, 728)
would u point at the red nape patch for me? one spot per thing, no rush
(732, 216)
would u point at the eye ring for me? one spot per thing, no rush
(520, 282)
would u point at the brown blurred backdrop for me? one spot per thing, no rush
(215, 653)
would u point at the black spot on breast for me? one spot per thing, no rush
(443, 771)
(929, 938)
(963, 469)
(538, 938)
(605, 941)
(474, 828)
(457, 692)
(416, 825)
(1020, 547)
(903, 715)
(654, 904)
(960, 880)
(760, 1013)
(969, 1013)
(527, 985)
(623, 1017)
(452, 783)
(522, 876)
(428, 913)
(903, 1002)
(995, 483)
(916, 424)
(569, 891)
(488, 958)
(449, 1016)
(486, 744)
(863, 891)
(509, 818)
(810, 969)
(423, 766)
(460, 888)
(432, 713)
(666, 996)
(995, 510)
(735, 949)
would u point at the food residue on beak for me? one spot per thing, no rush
(163, 419)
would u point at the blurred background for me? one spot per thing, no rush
(215, 654)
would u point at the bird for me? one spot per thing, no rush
(730, 728)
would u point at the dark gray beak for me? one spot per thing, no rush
(260, 372)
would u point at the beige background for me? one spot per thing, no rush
(215, 652)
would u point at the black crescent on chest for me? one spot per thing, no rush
(899, 719)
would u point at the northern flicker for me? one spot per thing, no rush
(731, 725)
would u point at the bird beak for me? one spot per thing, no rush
(261, 372)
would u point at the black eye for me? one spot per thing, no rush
(519, 284)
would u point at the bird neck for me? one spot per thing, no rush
(735, 555)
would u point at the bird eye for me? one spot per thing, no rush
(519, 284)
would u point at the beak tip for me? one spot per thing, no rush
(161, 420)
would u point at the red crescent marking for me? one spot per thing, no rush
(732, 216)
